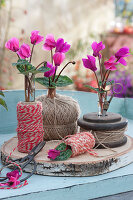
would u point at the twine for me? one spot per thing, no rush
(81, 143)
(60, 116)
(30, 125)
(105, 137)
(13, 163)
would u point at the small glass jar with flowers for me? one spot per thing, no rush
(24, 64)
(108, 128)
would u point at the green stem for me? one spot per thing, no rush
(18, 56)
(32, 52)
(54, 74)
(49, 82)
(99, 95)
(106, 78)
(52, 56)
(41, 64)
(100, 68)
(72, 62)
(97, 81)
(104, 75)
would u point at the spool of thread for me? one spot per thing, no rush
(30, 125)
(81, 143)
(60, 116)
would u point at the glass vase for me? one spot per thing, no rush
(29, 88)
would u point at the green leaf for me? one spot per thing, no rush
(42, 70)
(1, 93)
(63, 81)
(61, 147)
(20, 62)
(107, 83)
(24, 66)
(64, 155)
(37, 71)
(44, 81)
(3, 103)
(95, 89)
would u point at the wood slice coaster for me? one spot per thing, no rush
(82, 165)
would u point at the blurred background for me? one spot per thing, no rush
(79, 22)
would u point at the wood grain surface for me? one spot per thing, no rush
(82, 165)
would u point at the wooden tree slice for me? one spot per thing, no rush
(82, 165)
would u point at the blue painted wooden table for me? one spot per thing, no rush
(75, 188)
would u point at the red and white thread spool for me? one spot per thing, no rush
(30, 125)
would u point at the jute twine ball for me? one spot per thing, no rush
(60, 116)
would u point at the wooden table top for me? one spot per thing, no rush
(75, 188)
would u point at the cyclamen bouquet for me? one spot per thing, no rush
(51, 79)
(110, 65)
(24, 53)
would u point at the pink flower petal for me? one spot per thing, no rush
(97, 47)
(50, 72)
(112, 59)
(12, 44)
(58, 58)
(24, 51)
(49, 43)
(94, 46)
(90, 63)
(62, 46)
(53, 153)
(36, 38)
(122, 61)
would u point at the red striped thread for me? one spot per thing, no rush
(81, 143)
(30, 125)
(11, 162)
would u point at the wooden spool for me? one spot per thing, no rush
(112, 121)
(82, 165)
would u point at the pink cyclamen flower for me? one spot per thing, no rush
(97, 47)
(58, 58)
(13, 182)
(12, 44)
(62, 46)
(50, 72)
(36, 38)
(24, 51)
(49, 42)
(111, 63)
(14, 173)
(90, 63)
(53, 153)
(121, 53)
(13, 179)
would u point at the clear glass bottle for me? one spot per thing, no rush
(30, 87)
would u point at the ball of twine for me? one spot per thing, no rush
(60, 116)
(30, 125)
(81, 143)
